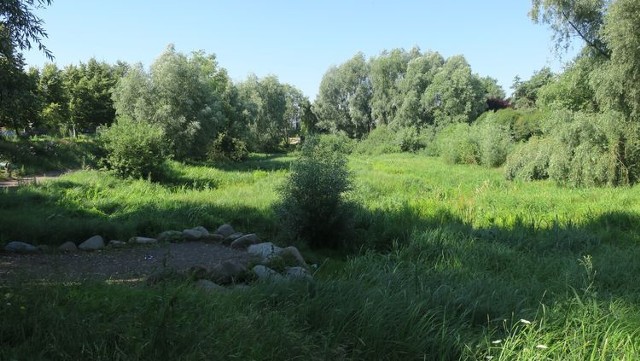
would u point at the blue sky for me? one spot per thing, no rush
(298, 40)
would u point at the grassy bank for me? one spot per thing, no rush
(460, 265)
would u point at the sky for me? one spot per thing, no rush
(298, 40)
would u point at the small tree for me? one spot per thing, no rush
(313, 208)
(135, 149)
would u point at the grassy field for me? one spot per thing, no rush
(453, 263)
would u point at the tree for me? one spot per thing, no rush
(455, 94)
(569, 18)
(18, 95)
(525, 93)
(387, 72)
(186, 95)
(343, 102)
(19, 27)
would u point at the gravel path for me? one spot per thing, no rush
(126, 264)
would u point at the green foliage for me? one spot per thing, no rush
(135, 149)
(313, 208)
(20, 27)
(227, 148)
(494, 142)
(393, 139)
(525, 93)
(457, 144)
(530, 161)
(595, 150)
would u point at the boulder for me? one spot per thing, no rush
(207, 285)
(68, 247)
(245, 241)
(116, 244)
(298, 273)
(291, 253)
(21, 247)
(92, 244)
(143, 240)
(225, 230)
(265, 251)
(195, 234)
(228, 272)
(265, 273)
(170, 236)
(233, 237)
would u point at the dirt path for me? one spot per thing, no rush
(16, 182)
(118, 265)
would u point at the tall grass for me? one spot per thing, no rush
(456, 263)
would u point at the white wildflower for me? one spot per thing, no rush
(526, 322)
(542, 347)
(496, 342)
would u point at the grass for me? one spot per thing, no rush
(455, 263)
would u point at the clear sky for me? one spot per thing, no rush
(298, 40)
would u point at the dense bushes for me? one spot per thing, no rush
(227, 148)
(392, 139)
(312, 205)
(580, 149)
(135, 148)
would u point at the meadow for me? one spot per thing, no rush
(446, 262)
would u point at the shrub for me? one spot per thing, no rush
(312, 205)
(227, 148)
(135, 149)
(380, 140)
(595, 150)
(339, 142)
(456, 144)
(530, 160)
(494, 143)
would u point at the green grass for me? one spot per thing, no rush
(455, 263)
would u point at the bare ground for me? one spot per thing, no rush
(130, 264)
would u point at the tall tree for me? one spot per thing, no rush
(19, 27)
(569, 18)
(387, 72)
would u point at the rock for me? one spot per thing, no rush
(245, 241)
(143, 240)
(92, 244)
(298, 273)
(291, 253)
(21, 247)
(228, 272)
(170, 236)
(265, 273)
(207, 285)
(116, 244)
(195, 234)
(68, 247)
(225, 230)
(265, 251)
(233, 237)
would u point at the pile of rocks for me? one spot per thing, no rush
(268, 261)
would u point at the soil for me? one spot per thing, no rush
(128, 264)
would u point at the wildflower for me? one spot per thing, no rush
(496, 342)
(542, 347)
(526, 322)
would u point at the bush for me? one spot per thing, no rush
(339, 142)
(380, 140)
(135, 149)
(227, 148)
(595, 150)
(312, 205)
(530, 161)
(494, 143)
(456, 144)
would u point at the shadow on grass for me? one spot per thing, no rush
(265, 162)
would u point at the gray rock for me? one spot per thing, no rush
(92, 244)
(116, 244)
(68, 247)
(298, 273)
(143, 240)
(228, 272)
(234, 236)
(265, 251)
(225, 230)
(170, 236)
(21, 247)
(195, 234)
(245, 241)
(207, 285)
(292, 253)
(265, 273)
